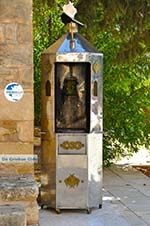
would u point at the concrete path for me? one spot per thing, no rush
(126, 202)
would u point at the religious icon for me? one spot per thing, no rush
(71, 94)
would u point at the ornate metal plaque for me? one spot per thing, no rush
(72, 181)
(72, 145)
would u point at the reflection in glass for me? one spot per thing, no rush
(72, 97)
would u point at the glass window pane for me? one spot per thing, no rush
(72, 83)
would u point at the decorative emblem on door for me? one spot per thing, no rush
(72, 181)
(96, 67)
(72, 145)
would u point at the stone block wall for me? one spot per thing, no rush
(21, 191)
(17, 184)
(16, 65)
(14, 216)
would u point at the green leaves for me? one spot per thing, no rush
(126, 96)
(47, 27)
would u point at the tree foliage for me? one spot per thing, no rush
(120, 30)
(47, 27)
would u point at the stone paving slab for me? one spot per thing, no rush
(130, 174)
(132, 218)
(112, 180)
(144, 189)
(74, 218)
(128, 194)
(145, 216)
(125, 203)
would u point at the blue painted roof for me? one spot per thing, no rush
(62, 45)
(81, 45)
(65, 46)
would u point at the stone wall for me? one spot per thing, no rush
(16, 65)
(18, 185)
(21, 191)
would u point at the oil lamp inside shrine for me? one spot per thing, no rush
(71, 121)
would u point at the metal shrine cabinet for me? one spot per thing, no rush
(71, 123)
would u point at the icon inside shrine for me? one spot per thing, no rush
(72, 104)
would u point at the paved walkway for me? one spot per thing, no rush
(126, 202)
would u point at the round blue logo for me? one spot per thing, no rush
(13, 92)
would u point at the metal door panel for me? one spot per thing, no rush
(72, 182)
